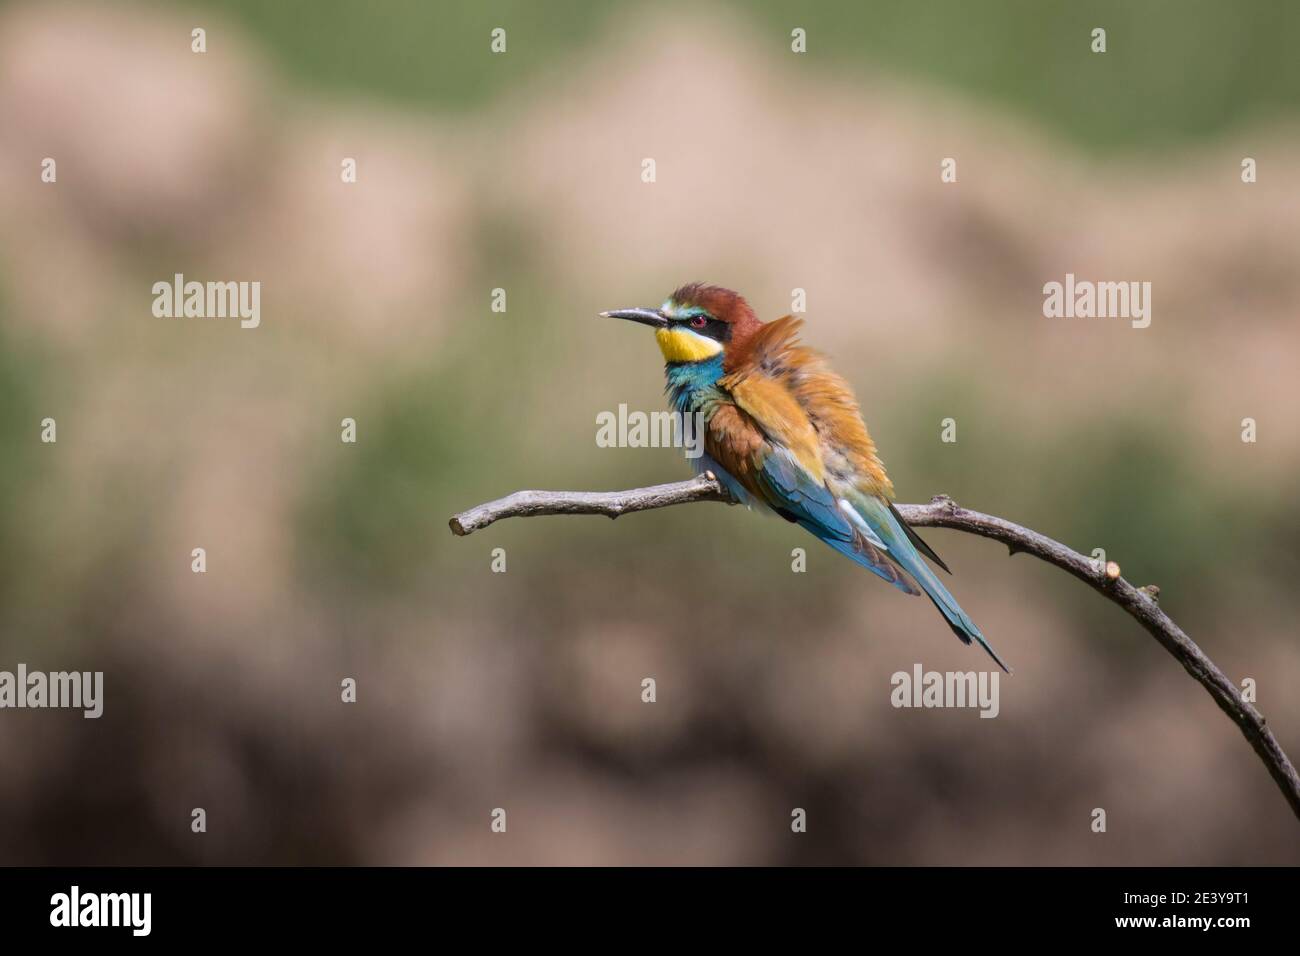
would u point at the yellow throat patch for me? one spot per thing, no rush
(683, 345)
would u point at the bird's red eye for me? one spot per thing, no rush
(699, 322)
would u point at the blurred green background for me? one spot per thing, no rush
(1179, 70)
(521, 171)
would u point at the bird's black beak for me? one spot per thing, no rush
(645, 316)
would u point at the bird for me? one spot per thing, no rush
(784, 434)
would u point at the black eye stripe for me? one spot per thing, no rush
(713, 328)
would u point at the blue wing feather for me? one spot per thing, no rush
(794, 494)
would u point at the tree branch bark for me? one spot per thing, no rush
(942, 512)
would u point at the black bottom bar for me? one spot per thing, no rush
(333, 905)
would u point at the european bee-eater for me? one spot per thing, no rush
(783, 432)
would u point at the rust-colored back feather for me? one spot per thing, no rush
(772, 351)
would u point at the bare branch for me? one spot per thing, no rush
(943, 512)
(527, 504)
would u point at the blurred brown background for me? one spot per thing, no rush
(522, 171)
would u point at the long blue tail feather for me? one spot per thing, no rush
(881, 519)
